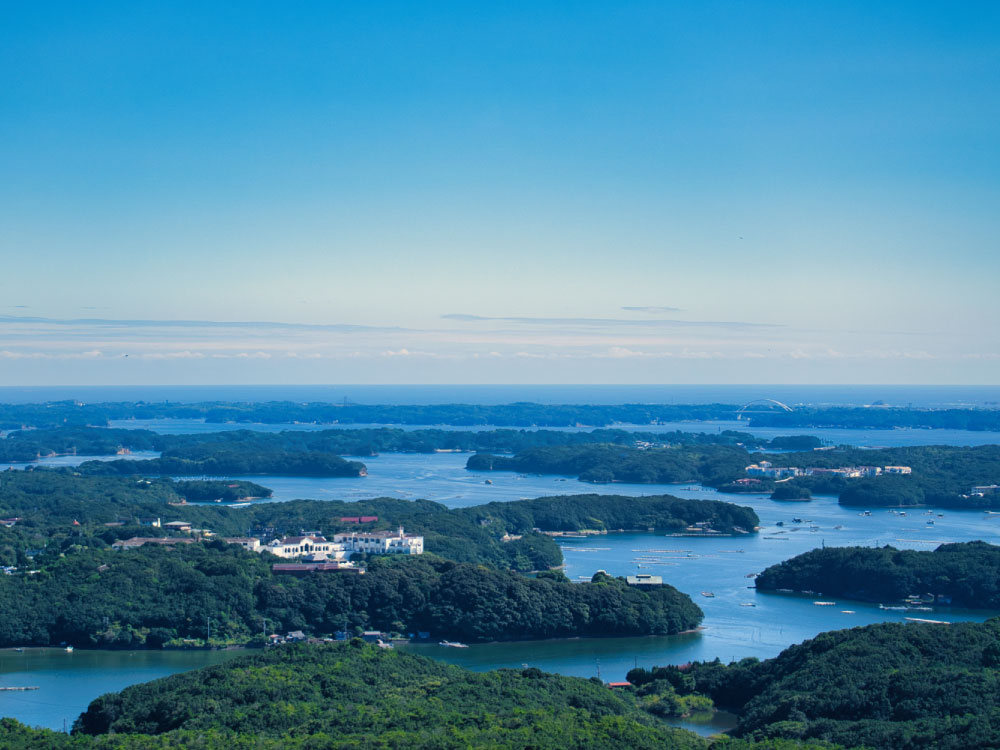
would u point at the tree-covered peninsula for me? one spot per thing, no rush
(355, 696)
(69, 584)
(964, 575)
(883, 687)
(55, 512)
(708, 464)
(613, 513)
(159, 595)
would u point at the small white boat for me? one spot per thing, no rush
(707, 594)
(69, 649)
(452, 644)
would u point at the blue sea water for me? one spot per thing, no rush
(937, 396)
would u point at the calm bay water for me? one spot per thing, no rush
(719, 566)
(731, 630)
(67, 682)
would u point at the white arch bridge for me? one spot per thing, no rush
(746, 408)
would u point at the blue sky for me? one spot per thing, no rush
(539, 192)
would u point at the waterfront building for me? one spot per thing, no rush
(381, 542)
(297, 546)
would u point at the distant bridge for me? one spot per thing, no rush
(745, 409)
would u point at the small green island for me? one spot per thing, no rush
(890, 686)
(960, 575)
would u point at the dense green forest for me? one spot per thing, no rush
(156, 595)
(888, 687)
(227, 460)
(341, 689)
(612, 512)
(85, 592)
(711, 465)
(966, 574)
(882, 687)
(54, 414)
(363, 698)
(942, 475)
(219, 490)
(61, 512)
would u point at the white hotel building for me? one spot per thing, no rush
(381, 542)
(346, 544)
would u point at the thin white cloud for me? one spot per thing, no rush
(651, 309)
(139, 323)
(91, 354)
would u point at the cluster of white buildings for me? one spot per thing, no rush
(316, 547)
(767, 469)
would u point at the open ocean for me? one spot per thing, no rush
(926, 396)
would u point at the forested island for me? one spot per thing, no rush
(885, 687)
(227, 460)
(963, 575)
(58, 413)
(708, 464)
(941, 475)
(613, 513)
(157, 595)
(469, 586)
(357, 696)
